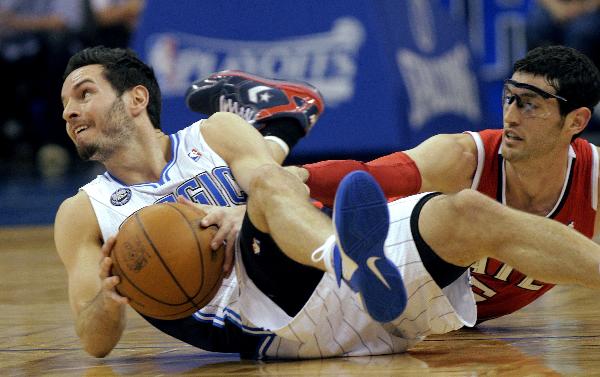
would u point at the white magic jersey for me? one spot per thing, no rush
(196, 172)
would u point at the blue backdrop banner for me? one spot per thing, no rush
(392, 72)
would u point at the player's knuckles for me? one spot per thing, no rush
(105, 266)
(218, 239)
(110, 282)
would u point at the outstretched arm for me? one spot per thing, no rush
(443, 163)
(98, 309)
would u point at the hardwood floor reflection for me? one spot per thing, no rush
(557, 335)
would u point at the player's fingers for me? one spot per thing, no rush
(219, 237)
(115, 296)
(110, 286)
(214, 216)
(108, 246)
(109, 283)
(228, 261)
(105, 266)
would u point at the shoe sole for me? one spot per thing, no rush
(298, 86)
(361, 221)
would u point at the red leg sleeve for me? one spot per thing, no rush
(396, 173)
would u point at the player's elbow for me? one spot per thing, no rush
(97, 348)
(96, 343)
(97, 352)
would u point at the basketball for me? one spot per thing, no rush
(164, 260)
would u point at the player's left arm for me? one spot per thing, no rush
(239, 144)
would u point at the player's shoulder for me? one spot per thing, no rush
(75, 224)
(75, 210)
(582, 143)
(78, 199)
(458, 142)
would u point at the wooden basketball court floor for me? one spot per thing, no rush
(557, 335)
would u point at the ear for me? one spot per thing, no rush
(138, 99)
(578, 119)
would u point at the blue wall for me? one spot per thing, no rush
(392, 72)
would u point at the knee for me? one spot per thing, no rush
(470, 222)
(271, 181)
(474, 206)
(264, 181)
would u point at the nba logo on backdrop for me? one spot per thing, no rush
(327, 60)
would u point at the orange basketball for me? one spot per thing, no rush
(164, 260)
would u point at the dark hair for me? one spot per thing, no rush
(123, 70)
(568, 71)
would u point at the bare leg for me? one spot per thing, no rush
(467, 226)
(278, 204)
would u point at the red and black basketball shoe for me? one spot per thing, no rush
(256, 99)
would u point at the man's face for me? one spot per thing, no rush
(97, 120)
(533, 126)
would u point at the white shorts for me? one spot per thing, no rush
(333, 321)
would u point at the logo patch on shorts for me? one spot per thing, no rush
(255, 246)
(120, 197)
(194, 154)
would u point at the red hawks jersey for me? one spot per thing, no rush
(498, 288)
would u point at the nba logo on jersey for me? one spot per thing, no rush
(194, 154)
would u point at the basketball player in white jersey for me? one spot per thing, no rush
(112, 108)
(379, 283)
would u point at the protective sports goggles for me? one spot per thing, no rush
(531, 101)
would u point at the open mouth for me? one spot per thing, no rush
(80, 129)
(511, 136)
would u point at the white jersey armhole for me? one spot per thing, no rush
(202, 144)
(480, 158)
(595, 168)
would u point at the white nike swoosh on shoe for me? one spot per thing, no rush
(371, 264)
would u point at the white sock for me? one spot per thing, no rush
(324, 253)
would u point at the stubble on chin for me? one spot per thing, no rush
(121, 130)
(86, 152)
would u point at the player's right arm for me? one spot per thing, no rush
(444, 162)
(98, 309)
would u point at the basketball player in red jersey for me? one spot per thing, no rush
(536, 163)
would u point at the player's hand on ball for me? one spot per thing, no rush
(228, 220)
(108, 291)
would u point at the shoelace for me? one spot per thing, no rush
(230, 106)
(324, 252)
(318, 254)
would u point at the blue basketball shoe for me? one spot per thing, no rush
(361, 221)
(256, 99)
